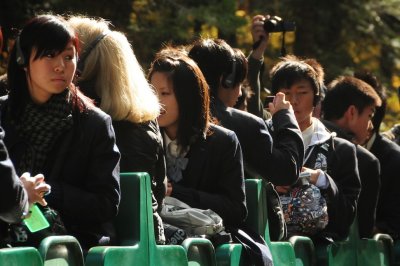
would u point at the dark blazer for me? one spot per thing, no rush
(344, 185)
(213, 178)
(141, 147)
(369, 171)
(278, 158)
(388, 210)
(83, 171)
(13, 198)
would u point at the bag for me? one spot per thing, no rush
(193, 221)
(20, 235)
(256, 250)
(305, 209)
(276, 219)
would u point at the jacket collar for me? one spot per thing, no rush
(321, 133)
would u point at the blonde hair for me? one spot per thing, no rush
(118, 78)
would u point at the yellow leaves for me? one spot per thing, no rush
(209, 31)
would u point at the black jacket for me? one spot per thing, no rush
(337, 158)
(369, 170)
(388, 210)
(141, 147)
(278, 158)
(13, 198)
(213, 178)
(83, 171)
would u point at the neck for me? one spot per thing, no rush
(171, 133)
(305, 124)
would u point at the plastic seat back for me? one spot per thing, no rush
(61, 250)
(20, 256)
(257, 219)
(130, 223)
(200, 251)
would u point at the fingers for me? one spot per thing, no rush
(42, 202)
(38, 178)
(35, 187)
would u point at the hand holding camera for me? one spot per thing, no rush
(279, 103)
(269, 24)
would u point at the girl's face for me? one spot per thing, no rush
(169, 117)
(51, 74)
(301, 97)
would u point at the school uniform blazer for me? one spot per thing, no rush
(388, 210)
(13, 198)
(213, 178)
(83, 171)
(369, 171)
(278, 158)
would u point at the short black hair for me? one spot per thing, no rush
(290, 70)
(373, 81)
(215, 57)
(345, 91)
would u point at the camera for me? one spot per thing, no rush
(268, 99)
(277, 24)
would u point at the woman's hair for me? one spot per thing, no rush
(191, 92)
(117, 77)
(217, 61)
(43, 34)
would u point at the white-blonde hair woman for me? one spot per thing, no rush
(112, 76)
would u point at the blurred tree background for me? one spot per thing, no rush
(343, 35)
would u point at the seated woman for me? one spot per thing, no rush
(125, 94)
(204, 161)
(52, 129)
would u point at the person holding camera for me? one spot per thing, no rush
(278, 160)
(330, 162)
(256, 66)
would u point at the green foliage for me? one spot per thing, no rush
(344, 35)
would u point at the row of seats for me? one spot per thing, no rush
(136, 244)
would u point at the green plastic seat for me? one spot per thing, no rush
(230, 255)
(131, 226)
(396, 253)
(355, 251)
(257, 219)
(135, 231)
(200, 251)
(61, 250)
(20, 256)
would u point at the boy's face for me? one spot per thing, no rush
(301, 97)
(360, 124)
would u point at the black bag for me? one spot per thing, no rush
(19, 234)
(256, 250)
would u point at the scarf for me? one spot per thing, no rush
(40, 126)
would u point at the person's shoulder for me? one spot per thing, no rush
(222, 132)
(388, 146)
(245, 117)
(93, 116)
(365, 155)
(343, 144)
